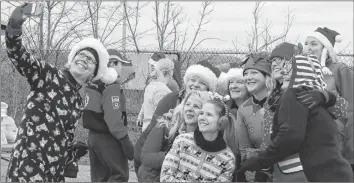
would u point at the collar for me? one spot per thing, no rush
(259, 102)
(211, 146)
(70, 78)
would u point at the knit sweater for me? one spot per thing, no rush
(187, 162)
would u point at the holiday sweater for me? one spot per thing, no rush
(44, 144)
(186, 162)
(103, 113)
(154, 92)
(310, 133)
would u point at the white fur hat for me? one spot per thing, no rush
(104, 73)
(232, 74)
(210, 74)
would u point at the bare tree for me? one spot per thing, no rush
(261, 37)
(132, 15)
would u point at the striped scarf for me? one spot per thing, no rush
(306, 71)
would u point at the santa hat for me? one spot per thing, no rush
(258, 61)
(210, 74)
(104, 73)
(328, 38)
(306, 71)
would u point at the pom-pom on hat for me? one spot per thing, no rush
(205, 71)
(104, 73)
(328, 38)
(258, 61)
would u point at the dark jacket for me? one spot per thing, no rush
(103, 114)
(168, 102)
(341, 81)
(310, 133)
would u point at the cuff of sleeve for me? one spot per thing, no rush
(332, 98)
(12, 31)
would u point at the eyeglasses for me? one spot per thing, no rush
(87, 58)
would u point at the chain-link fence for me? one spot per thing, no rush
(14, 88)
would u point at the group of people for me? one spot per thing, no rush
(288, 116)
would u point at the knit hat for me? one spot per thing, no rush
(104, 73)
(328, 38)
(306, 71)
(286, 50)
(210, 74)
(258, 61)
(127, 72)
(4, 107)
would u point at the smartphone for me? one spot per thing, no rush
(33, 9)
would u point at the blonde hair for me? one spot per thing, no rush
(177, 123)
(270, 83)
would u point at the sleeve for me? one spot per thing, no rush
(292, 119)
(339, 109)
(345, 86)
(151, 155)
(71, 149)
(244, 140)
(171, 163)
(227, 172)
(112, 113)
(24, 62)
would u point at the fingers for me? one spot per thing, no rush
(312, 105)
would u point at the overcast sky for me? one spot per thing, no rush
(231, 20)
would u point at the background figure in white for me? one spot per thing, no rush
(8, 126)
(156, 89)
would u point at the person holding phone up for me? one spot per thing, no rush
(45, 142)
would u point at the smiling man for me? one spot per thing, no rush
(44, 145)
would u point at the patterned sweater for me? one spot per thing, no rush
(187, 162)
(44, 145)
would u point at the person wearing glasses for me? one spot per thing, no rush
(110, 147)
(45, 141)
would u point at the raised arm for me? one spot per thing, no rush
(24, 62)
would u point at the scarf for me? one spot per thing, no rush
(211, 146)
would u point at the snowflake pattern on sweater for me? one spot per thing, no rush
(187, 162)
(44, 144)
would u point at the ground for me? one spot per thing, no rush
(83, 174)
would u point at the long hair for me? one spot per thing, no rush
(177, 122)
